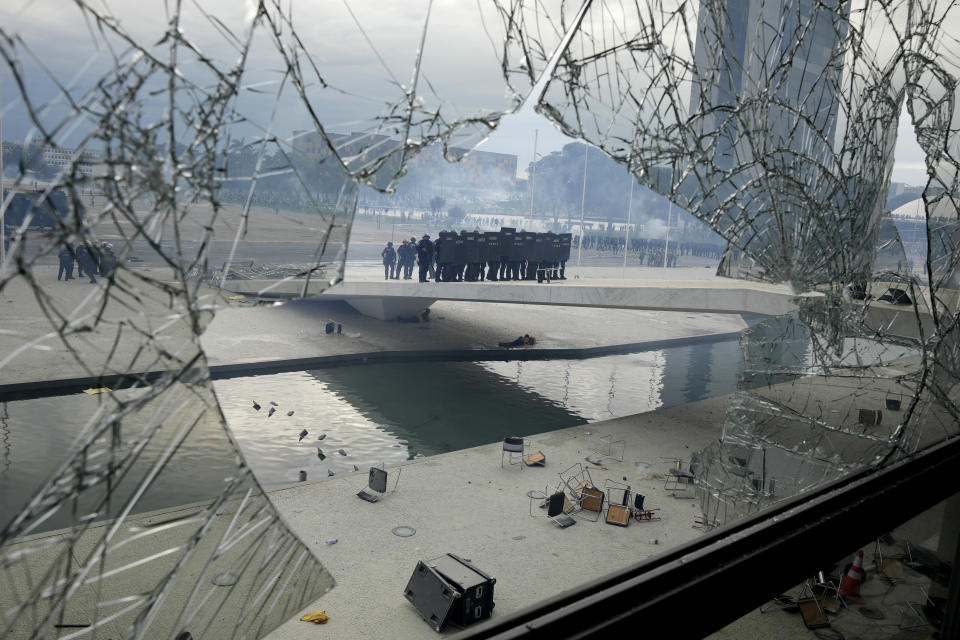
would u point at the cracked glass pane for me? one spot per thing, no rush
(153, 151)
(184, 157)
(774, 122)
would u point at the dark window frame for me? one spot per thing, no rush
(701, 586)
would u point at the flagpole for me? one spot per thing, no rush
(626, 246)
(533, 173)
(583, 198)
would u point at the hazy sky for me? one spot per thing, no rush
(365, 50)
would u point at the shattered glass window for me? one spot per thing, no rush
(175, 150)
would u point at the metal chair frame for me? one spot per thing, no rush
(561, 518)
(515, 456)
(608, 446)
(375, 475)
(578, 484)
(678, 480)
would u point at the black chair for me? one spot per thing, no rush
(513, 451)
(556, 505)
(377, 483)
(555, 512)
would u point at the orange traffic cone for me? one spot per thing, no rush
(850, 587)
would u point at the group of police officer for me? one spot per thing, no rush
(508, 254)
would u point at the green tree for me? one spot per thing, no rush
(456, 215)
(436, 204)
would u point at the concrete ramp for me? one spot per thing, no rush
(388, 299)
(706, 296)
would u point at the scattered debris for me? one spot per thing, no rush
(303, 434)
(356, 468)
(274, 403)
(321, 436)
(850, 587)
(256, 406)
(316, 617)
(97, 390)
(330, 473)
(519, 537)
(303, 475)
(289, 413)
(332, 541)
(320, 454)
(342, 452)
(271, 412)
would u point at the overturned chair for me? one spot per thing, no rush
(377, 484)
(556, 504)
(586, 499)
(678, 479)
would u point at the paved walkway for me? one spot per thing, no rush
(465, 503)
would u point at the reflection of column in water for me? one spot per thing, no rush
(5, 430)
(655, 399)
(611, 393)
(698, 372)
(566, 383)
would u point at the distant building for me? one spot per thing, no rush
(478, 173)
(62, 158)
(477, 168)
(739, 52)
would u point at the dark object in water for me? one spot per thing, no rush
(320, 454)
(256, 406)
(342, 452)
(329, 327)
(893, 404)
(271, 412)
(896, 296)
(303, 475)
(329, 472)
(356, 468)
(321, 436)
(289, 413)
(274, 403)
(303, 434)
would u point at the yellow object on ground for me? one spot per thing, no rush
(98, 390)
(316, 617)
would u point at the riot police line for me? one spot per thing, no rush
(508, 254)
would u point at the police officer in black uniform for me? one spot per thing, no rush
(424, 256)
(506, 248)
(493, 254)
(566, 240)
(470, 255)
(66, 263)
(516, 256)
(444, 249)
(482, 254)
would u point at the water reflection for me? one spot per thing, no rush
(371, 413)
(272, 444)
(39, 435)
